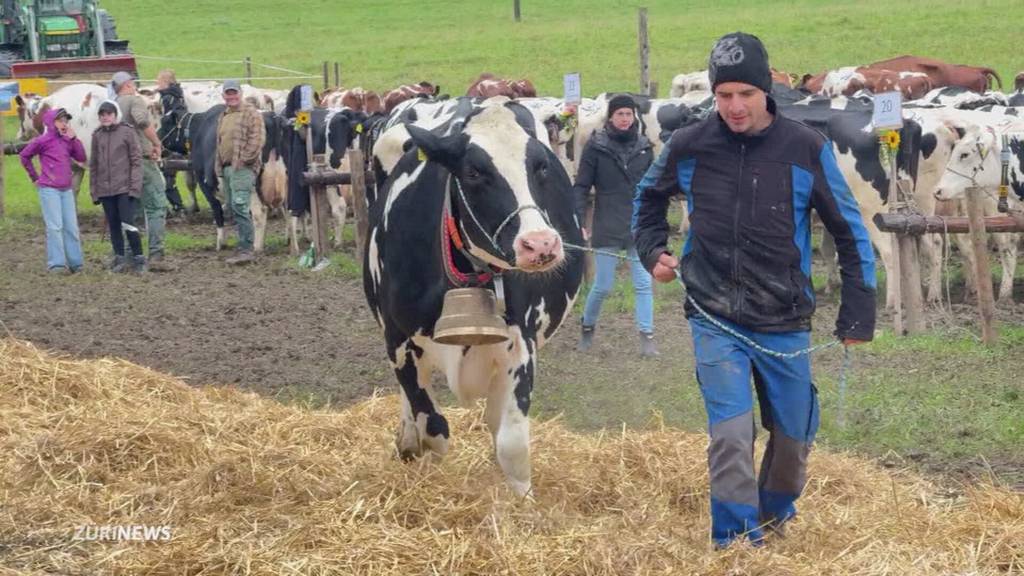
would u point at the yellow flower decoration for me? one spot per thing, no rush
(891, 139)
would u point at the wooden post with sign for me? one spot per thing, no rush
(887, 119)
(317, 191)
(572, 95)
(357, 166)
(982, 271)
(645, 53)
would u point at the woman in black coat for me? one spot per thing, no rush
(612, 163)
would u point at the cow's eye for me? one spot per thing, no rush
(472, 173)
(964, 156)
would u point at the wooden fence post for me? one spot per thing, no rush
(357, 165)
(515, 10)
(910, 275)
(645, 53)
(982, 272)
(317, 204)
(327, 77)
(337, 74)
(248, 70)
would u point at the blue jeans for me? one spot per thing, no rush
(742, 503)
(604, 280)
(63, 244)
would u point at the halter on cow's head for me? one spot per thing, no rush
(972, 163)
(501, 180)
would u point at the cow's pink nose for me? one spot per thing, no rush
(538, 250)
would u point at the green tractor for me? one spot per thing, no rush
(56, 38)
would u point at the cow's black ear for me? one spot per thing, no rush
(446, 150)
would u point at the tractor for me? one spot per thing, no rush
(57, 38)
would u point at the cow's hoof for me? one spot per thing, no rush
(407, 442)
(521, 489)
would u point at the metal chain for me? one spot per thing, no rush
(749, 342)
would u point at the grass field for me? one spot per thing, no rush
(382, 43)
(940, 395)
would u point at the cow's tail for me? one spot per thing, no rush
(991, 74)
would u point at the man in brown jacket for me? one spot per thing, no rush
(135, 113)
(115, 180)
(240, 138)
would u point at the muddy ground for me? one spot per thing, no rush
(308, 337)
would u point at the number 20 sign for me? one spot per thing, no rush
(888, 112)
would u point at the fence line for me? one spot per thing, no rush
(279, 69)
(187, 60)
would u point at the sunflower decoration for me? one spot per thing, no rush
(891, 139)
(889, 145)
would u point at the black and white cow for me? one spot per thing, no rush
(334, 131)
(847, 123)
(511, 202)
(976, 162)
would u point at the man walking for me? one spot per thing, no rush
(240, 137)
(135, 113)
(751, 177)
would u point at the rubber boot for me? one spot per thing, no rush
(586, 339)
(118, 265)
(647, 347)
(139, 264)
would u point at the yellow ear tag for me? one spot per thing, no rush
(359, 128)
(421, 155)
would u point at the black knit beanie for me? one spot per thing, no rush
(621, 101)
(739, 57)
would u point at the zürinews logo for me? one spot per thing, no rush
(137, 533)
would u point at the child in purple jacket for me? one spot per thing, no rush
(56, 147)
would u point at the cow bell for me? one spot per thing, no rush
(469, 317)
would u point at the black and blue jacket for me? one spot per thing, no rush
(747, 257)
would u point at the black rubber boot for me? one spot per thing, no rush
(586, 339)
(647, 347)
(118, 264)
(139, 264)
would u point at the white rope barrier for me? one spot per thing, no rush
(279, 69)
(187, 60)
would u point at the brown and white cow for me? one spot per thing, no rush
(849, 80)
(357, 99)
(488, 85)
(406, 91)
(977, 78)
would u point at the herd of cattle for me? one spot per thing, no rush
(480, 185)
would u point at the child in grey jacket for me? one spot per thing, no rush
(115, 181)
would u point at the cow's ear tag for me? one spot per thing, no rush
(359, 128)
(421, 155)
